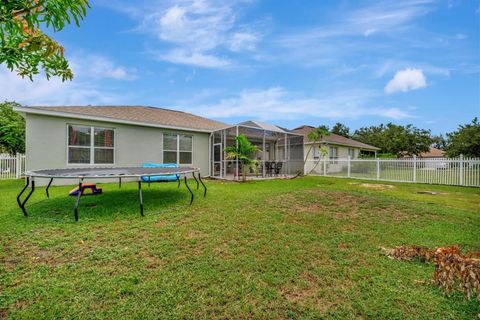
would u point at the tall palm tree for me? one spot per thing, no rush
(243, 152)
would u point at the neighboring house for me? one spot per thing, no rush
(68, 137)
(433, 159)
(336, 146)
(432, 153)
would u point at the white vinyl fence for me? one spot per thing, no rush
(450, 171)
(11, 167)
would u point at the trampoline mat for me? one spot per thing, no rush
(108, 172)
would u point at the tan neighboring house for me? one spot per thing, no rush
(336, 146)
(115, 136)
(432, 153)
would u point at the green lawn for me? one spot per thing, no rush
(302, 248)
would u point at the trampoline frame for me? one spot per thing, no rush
(106, 173)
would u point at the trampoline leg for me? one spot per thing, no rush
(193, 174)
(48, 186)
(27, 182)
(149, 181)
(119, 183)
(178, 179)
(186, 184)
(141, 198)
(28, 196)
(80, 191)
(20, 203)
(203, 184)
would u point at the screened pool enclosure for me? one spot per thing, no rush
(280, 154)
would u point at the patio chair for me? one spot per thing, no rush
(278, 168)
(268, 168)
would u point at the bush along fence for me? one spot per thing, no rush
(449, 171)
(12, 166)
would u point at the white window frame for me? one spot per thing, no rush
(178, 147)
(351, 153)
(316, 152)
(333, 159)
(91, 147)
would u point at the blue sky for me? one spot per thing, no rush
(285, 62)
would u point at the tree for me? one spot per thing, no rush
(341, 130)
(396, 139)
(315, 137)
(466, 140)
(243, 152)
(12, 129)
(439, 142)
(25, 47)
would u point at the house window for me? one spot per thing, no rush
(333, 154)
(316, 152)
(83, 149)
(351, 153)
(177, 148)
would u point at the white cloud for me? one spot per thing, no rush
(364, 33)
(278, 104)
(460, 36)
(383, 17)
(240, 41)
(193, 58)
(97, 66)
(50, 92)
(389, 66)
(406, 80)
(198, 25)
(195, 30)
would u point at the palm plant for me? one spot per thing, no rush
(315, 137)
(243, 152)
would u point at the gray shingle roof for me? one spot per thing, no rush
(335, 139)
(141, 114)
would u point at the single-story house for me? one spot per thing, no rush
(118, 136)
(336, 146)
(123, 136)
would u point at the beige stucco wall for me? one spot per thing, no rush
(46, 144)
(342, 151)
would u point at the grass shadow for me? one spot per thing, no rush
(113, 203)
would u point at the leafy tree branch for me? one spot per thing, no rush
(24, 47)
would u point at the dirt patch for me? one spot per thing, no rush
(433, 193)
(377, 186)
(341, 205)
(195, 234)
(306, 291)
(299, 293)
(153, 262)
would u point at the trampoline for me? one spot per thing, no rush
(106, 173)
